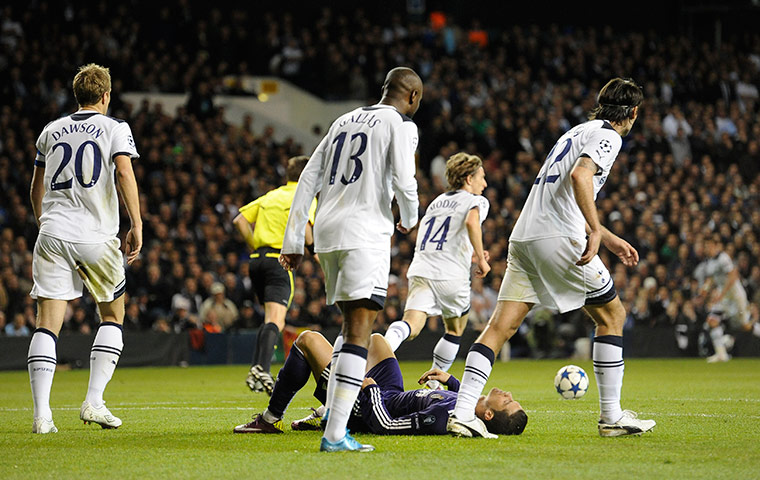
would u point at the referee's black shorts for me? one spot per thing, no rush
(271, 282)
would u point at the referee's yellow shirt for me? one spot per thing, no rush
(270, 214)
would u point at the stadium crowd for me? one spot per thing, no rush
(688, 170)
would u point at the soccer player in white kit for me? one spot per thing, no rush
(727, 298)
(553, 261)
(439, 275)
(82, 159)
(366, 157)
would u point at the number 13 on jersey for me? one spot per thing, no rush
(358, 140)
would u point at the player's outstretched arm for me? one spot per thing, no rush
(127, 185)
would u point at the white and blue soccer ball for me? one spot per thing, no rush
(571, 382)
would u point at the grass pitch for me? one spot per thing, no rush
(178, 424)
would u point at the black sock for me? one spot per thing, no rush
(291, 378)
(267, 338)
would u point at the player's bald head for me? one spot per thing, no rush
(401, 81)
(403, 89)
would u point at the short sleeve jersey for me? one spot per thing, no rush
(80, 203)
(716, 268)
(551, 209)
(366, 158)
(270, 214)
(443, 250)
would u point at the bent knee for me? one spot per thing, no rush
(306, 338)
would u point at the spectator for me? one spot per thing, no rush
(18, 328)
(218, 310)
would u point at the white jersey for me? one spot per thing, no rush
(80, 203)
(366, 157)
(444, 250)
(551, 209)
(715, 269)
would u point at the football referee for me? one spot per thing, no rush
(262, 225)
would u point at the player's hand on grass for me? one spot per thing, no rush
(368, 381)
(290, 261)
(134, 243)
(434, 374)
(592, 248)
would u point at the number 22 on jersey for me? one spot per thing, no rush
(544, 173)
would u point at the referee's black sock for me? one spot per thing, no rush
(267, 338)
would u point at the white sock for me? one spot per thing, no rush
(477, 369)
(348, 371)
(445, 352)
(105, 353)
(41, 362)
(331, 379)
(397, 333)
(718, 340)
(608, 369)
(756, 329)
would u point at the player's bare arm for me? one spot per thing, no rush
(624, 250)
(475, 233)
(37, 192)
(127, 186)
(582, 179)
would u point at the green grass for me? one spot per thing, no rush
(178, 424)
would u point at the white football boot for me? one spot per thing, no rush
(100, 415)
(471, 428)
(43, 425)
(629, 424)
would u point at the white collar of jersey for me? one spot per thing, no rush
(384, 105)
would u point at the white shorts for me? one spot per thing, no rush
(448, 298)
(735, 306)
(61, 268)
(356, 275)
(544, 272)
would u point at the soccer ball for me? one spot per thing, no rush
(571, 381)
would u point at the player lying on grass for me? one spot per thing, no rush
(383, 407)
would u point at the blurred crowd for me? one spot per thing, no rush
(689, 169)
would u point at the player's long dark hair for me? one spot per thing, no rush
(616, 100)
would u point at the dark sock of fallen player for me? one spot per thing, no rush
(292, 377)
(267, 338)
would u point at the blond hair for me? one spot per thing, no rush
(90, 83)
(459, 166)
